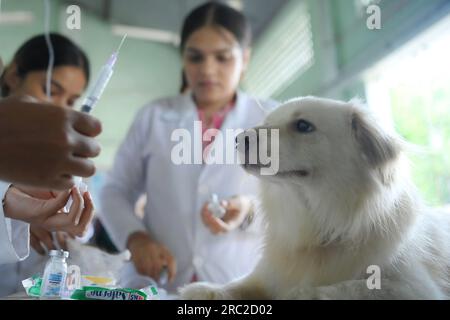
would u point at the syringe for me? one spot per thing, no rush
(101, 82)
(91, 100)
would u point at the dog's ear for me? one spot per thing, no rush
(377, 146)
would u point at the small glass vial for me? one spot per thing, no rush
(54, 275)
(214, 206)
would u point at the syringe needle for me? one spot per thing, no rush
(121, 43)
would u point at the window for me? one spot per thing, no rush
(411, 91)
(284, 54)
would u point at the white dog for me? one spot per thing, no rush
(343, 219)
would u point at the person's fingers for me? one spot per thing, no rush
(235, 214)
(86, 216)
(157, 260)
(139, 263)
(86, 124)
(143, 262)
(86, 147)
(221, 226)
(171, 266)
(71, 234)
(231, 215)
(36, 245)
(225, 204)
(76, 208)
(156, 270)
(149, 269)
(59, 221)
(204, 214)
(152, 268)
(211, 224)
(61, 239)
(204, 211)
(215, 225)
(81, 167)
(160, 260)
(62, 183)
(45, 238)
(55, 204)
(207, 217)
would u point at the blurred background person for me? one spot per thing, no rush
(26, 77)
(177, 230)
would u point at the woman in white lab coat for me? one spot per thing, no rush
(177, 230)
(25, 76)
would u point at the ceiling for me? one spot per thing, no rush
(168, 15)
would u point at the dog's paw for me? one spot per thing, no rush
(203, 291)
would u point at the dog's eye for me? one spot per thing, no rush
(304, 126)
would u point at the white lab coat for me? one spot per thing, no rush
(12, 248)
(176, 193)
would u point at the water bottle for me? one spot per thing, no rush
(55, 274)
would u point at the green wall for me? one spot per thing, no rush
(344, 47)
(144, 71)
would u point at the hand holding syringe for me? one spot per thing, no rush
(91, 100)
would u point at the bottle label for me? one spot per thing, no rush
(53, 285)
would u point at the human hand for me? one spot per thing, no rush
(42, 240)
(149, 257)
(44, 145)
(47, 213)
(237, 209)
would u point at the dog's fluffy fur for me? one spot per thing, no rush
(342, 201)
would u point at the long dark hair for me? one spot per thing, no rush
(33, 56)
(215, 14)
